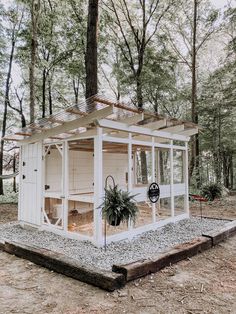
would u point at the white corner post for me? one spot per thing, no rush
(153, 179)
(98, 187)
(172, 180)
(186, 196)
(158, 178)
(65, 175)
(130, 176)
(20, 185)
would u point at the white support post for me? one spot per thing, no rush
(130, 164)
(130, 176)
(43, 184)
(65, 157)
(98, 187)
(157, 164)
(172, 181)
(20, 185)
(186, 196)
(153, 179)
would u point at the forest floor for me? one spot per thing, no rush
(206, 283)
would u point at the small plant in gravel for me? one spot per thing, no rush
(9, 196)
(212, 191)
(118, 206)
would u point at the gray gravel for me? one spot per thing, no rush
(144, 246)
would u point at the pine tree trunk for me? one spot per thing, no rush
(231, 173)
(194, 163)
(44, 94)
(33, 48)
(50, 96)
(139, 92)
(6, 102)
(91, 50)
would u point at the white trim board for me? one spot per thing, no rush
(139, 130)
(67, 126)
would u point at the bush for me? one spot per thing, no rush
(118, 206)
(9, 196)
(212, 191)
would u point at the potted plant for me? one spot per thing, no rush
(118, 206)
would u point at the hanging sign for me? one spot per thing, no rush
(153, 192)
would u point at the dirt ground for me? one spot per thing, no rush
(203, 284)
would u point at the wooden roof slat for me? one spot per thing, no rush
(174, 129)
(115, 104)
(76, 111)
(56, 138)
(23, 133)
(70, 125)
(133, 119)
(189, 132)
(155, 125)
(10, 138)
(140, 130)
(55, 120)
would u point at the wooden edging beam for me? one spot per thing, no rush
(62, 264)
(218, 236)
(120, 274)
(144, 267)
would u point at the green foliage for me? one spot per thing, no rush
(118, 206)
(9, 195)
(212, 191)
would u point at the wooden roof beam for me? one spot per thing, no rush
(189, 132)
(155, 125)
(11, 138)
(71, 125)
(76, 111)
(23, 133)
(115, 104)
(134, 119)
(55, 120)
(105, 123)
(174, 129)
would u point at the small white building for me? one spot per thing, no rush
(64, 160)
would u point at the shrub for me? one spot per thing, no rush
(212, 191)
(118, 206)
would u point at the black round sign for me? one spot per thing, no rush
(154, 192)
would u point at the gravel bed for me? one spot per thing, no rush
(144, 246)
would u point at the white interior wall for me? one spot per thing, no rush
(81, 171)
(30, 183)
(116, 165)
(53, 170)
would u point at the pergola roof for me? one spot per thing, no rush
(107, 113)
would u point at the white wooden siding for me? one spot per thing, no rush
(30, 180)
(117, 166)
(53, 171)
(81, 171)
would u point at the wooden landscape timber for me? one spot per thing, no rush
(120, 274)
(67, 266)
(179, 252)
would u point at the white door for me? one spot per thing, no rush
(30, 183)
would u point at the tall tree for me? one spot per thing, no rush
(14, 20)
(91, 60)
(137, 24)
(35, 12)
(188, 34)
